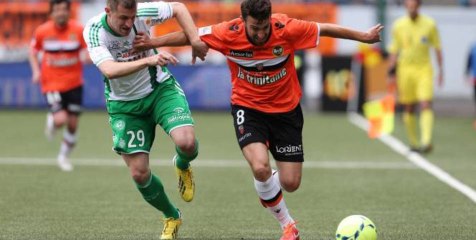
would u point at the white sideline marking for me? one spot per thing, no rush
(207, 163)
(416, 159)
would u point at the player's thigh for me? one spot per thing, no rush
(132, 133)
(72, 100)
(250, 126)
(406, 87)
(170, 107)
(54, 101)
(286, 136)
(425, 87)
(290, 174)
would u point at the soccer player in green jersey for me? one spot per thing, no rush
(141, 93)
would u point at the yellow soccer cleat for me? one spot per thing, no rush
(171, 227)
(186, 185)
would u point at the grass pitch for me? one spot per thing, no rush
(345, 173)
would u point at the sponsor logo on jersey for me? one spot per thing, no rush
(179, 110)
(278, 51)
(244, 137)
(245, 54)
(204, 30)
(289, 149)
(262, 79)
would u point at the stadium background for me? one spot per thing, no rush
(345, 173)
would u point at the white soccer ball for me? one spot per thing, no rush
(356, 227)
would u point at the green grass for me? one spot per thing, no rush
(101, 202)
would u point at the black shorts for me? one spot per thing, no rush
(70, 101)
(281, 132)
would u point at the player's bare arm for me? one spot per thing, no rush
(35, 66)
(143, 42)
(439, 59)
(186, 22)
(112, 69)
(333, 30)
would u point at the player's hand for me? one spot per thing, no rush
(199, 49)
(162, 59)
(35, 78)
(141, 42)
(373, 34)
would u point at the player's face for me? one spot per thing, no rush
(60, 13)
(412, 7)
(257, 31)
(121, 20)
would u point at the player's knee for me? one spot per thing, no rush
(291, 185)
(261, 171)
(140, 176)
(60, 118)
(187, 144)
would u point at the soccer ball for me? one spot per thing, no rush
(356, 227)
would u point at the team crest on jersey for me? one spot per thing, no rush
(424, 39)
(148, 21)
(278, 51)
(241, 129)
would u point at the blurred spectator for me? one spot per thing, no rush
(471, 72)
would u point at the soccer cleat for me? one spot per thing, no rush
(50, 127)
(290, 232)
(171, 227)
(414, 149)
(186, 185)
(64, 164)
(426, 149)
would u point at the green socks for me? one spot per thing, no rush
(183, 160)
(153, 192)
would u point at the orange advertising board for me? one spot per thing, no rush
(19, 21)
(208, 13)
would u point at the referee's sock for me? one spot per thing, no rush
(409, 119)
(426, 126)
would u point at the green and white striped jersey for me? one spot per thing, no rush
(104, 44)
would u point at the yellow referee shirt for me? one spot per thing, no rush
(412, 40)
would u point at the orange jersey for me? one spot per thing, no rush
(61, 68)
(263, 77)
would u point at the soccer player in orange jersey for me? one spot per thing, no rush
(259, 48)
(61, 44)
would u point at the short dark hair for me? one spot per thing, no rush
(257, 9)
(54, 2)
(128, 4)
